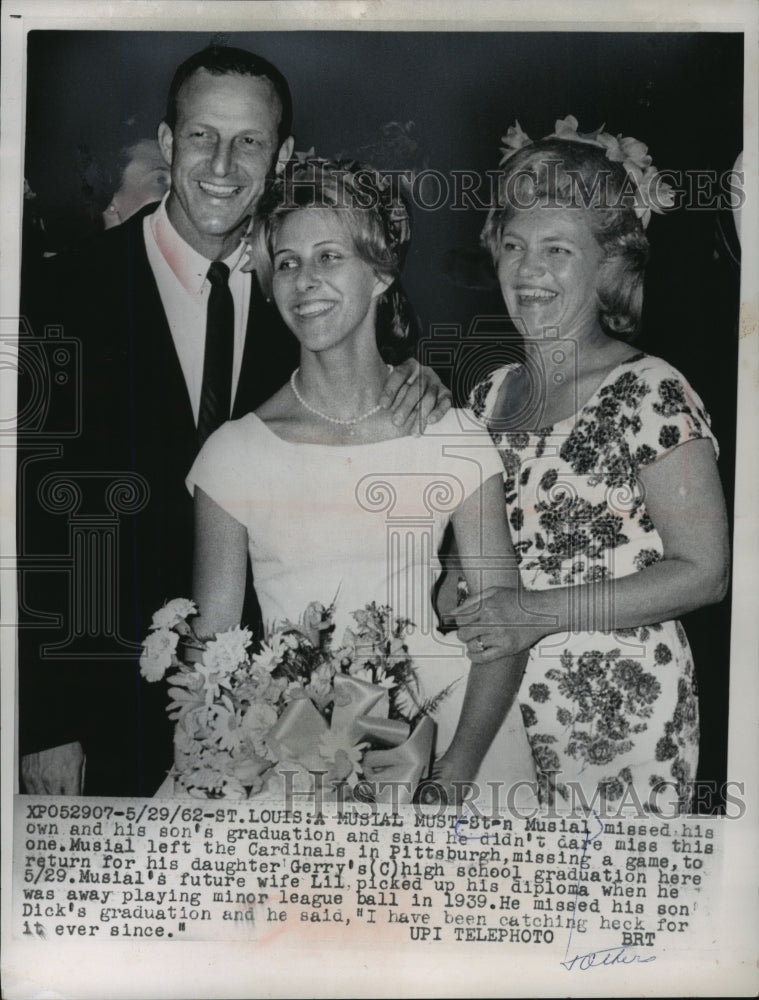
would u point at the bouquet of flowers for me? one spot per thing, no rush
(299, 703)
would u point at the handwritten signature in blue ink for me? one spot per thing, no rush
(605, 956)
(588, 839)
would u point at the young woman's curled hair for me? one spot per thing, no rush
(377, 219)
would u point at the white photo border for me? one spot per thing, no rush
(193, 969)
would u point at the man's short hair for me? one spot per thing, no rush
(220, 60)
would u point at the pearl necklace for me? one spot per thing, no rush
(351, 422)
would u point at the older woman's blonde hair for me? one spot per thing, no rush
(578, 176)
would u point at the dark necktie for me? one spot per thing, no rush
(216, 394)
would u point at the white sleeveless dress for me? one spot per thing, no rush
(366, 519)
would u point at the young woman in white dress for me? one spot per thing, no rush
(322, 491)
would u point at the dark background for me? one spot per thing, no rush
(442, 101)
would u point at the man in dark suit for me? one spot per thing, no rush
(146, 305)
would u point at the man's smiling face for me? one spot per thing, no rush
(223, 147)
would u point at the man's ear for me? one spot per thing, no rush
(284, 154)
(166, 142)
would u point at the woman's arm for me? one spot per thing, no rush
(221, 551)
(487, 560)
(684, 499)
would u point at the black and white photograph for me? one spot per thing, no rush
(380, 395)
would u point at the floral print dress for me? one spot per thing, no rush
(614, 708)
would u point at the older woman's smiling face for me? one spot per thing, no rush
(548, 268)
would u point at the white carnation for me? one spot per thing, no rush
(228, 650)
(157, 653)
(174, 612)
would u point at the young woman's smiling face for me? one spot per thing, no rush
(548, 268)
(323, 288)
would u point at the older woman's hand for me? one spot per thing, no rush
(495, 623)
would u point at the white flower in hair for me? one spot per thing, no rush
(634, 151)
(652, 194)
(566, 128)
(513, 141)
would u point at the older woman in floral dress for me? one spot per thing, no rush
(613, 496)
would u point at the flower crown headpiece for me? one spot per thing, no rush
(654, 195)
(364, 187)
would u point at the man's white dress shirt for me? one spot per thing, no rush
(181, 276)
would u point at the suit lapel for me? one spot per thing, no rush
(269, 355)
(152, 334)
(244, 400)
